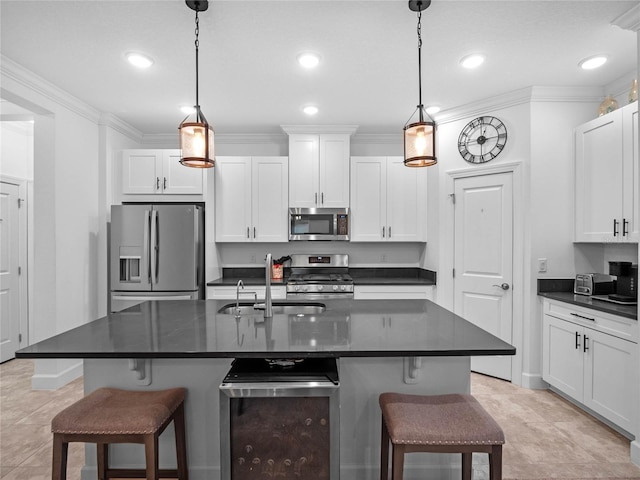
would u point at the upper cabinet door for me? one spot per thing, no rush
(406, 202)
(304, 170)
(368, 199)
(630, 174)
(598, 168)
(178, 179)
(334, 171)
(141, 171)
(270, 212)
(233, 199)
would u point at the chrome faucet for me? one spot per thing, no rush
(268, 307)
(239, 286)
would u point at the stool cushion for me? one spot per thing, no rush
(453, 419)
(114, 411)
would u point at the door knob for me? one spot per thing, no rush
(504, 286)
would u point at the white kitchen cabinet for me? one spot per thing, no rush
(388, 200)
(158, 172)
(607, 200)
(592, 358)
(251, 199)
(393, 292)
(319, 170)
(227, 292)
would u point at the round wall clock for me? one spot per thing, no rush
(482, 139)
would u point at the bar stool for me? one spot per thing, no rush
(452, 423)
(110, 415)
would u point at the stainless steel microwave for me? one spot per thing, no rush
(318, 224)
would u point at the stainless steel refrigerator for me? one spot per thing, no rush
(157, 253)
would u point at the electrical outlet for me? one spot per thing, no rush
(542, 265)
(253, 258)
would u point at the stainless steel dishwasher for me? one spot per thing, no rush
(280, 418)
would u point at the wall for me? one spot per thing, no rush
(66, 207)
(16, 149)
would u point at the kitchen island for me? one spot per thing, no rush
(412, 346)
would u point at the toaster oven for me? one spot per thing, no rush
(593, 284)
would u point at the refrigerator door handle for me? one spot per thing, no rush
(154, 247)
(151, 297)
(146, 242)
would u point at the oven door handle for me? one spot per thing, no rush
(276, 389)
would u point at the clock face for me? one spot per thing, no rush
(482, 139)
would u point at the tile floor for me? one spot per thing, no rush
(547, 437)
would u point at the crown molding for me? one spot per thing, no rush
(520, 97)
(119, 125)
(629, 20)
(311, 129)
(250, 138)
(28, 79)
(377, 139)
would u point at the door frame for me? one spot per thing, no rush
(446, 281)
(25, 252)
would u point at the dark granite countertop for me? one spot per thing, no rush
(361, 276)
(348, 328)
(562, 290)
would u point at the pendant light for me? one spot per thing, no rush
(420, 136)
(196, 137)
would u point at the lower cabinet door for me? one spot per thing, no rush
(562, 356)
(609, 373)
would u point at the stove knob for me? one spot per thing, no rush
(343, 287)
(320, 287)
(305, 288)
(297, 287)
(335, 287)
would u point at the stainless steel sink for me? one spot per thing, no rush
(278, 308)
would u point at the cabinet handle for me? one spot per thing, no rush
(157, 183)
(316, 200)
(578, 341)
(248, 233)
(615, 227)
(254, 232)
(382, 232)
(625, 224)
(389, 230)
(586, 345)
(164, 183)
(582, 316)
(322, 198)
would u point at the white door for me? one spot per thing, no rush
(483, 261)
(9, 278)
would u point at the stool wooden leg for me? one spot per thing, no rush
(397, 462)
(181, 443)
(467, 461)
(151, 456)
(384, 453)
(495, 463)
(103, 460)
(60, 450)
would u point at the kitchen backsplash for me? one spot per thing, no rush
(360, 254)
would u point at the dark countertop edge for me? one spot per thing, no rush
(327, 354)
(361, 276)
(561, 289)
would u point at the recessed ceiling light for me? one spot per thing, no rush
(595, 61)
(309, 59)
(139, 60)
(187, 109)
(310, 109)
(432, 110)
(472, 61)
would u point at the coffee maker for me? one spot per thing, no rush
(626, 283)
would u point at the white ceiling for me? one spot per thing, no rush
(250, 81)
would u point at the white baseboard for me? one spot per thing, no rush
(534, 381)
(635, 452)
(58, 379)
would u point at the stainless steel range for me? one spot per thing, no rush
(319, 276)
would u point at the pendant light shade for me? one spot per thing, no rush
(420, 144)
(420, 136)
(196, 135)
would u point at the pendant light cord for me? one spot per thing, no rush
(197, 43)
(420, 107)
